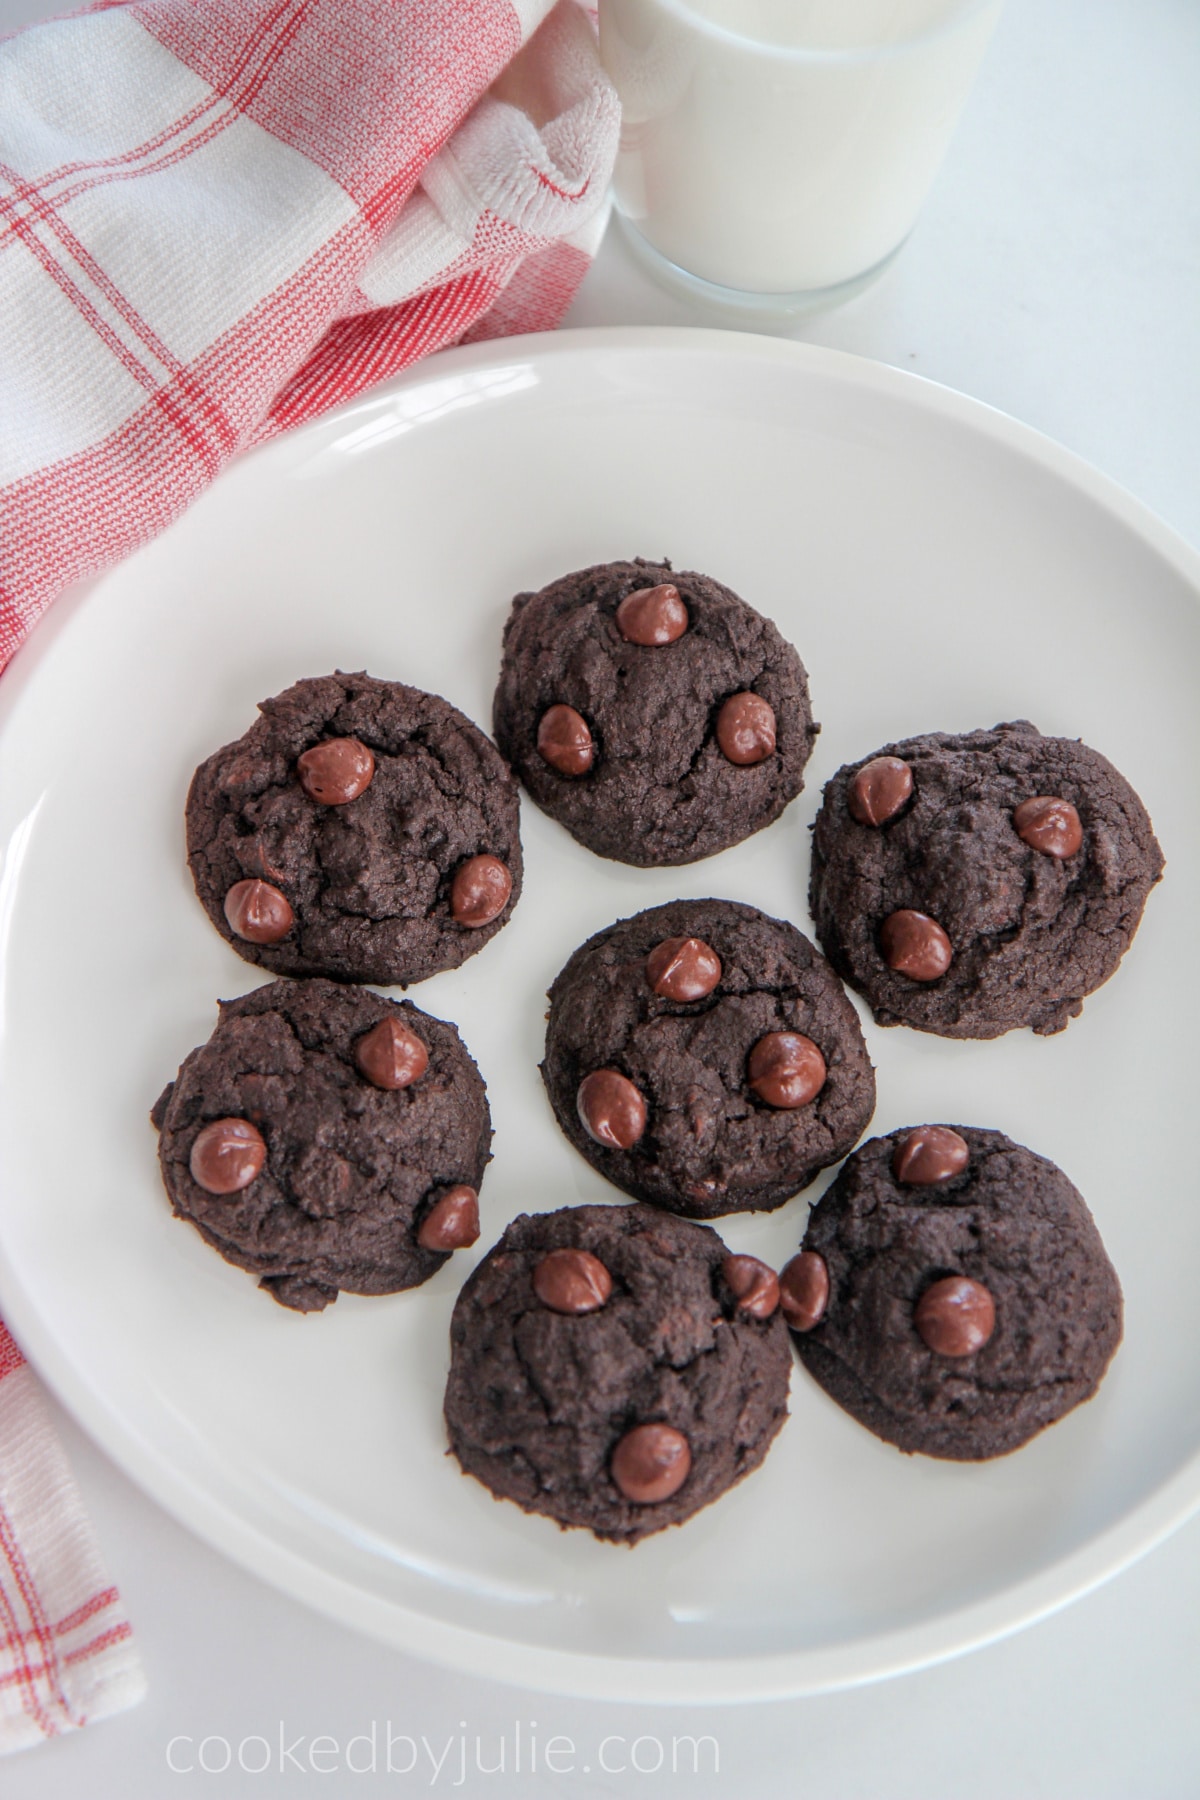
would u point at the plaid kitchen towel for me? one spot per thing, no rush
(217, 219)
(66, 1650)
(220, 217)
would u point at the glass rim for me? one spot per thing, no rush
(961, 13)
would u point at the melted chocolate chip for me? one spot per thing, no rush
(571, 1281)
(915, 945)
(929, 1154)
(452, 1222)
(650, 1463)
(479, 892)
(611, 1110)
(227, 1155)
(880, 790)
(653, 616)
(564, 740)
(754, 1285)
(336, 771)
(1049, 825)
(390, 1055)
(746, 729)
(683, 968)
(786, 1069)
(955, 1316)
(258, 912)
(804, 1290)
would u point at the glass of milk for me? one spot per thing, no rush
(775, 153)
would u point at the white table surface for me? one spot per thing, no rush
(1056, 275)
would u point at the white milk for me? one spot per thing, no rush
(783, 146)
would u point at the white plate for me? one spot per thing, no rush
(939, 567)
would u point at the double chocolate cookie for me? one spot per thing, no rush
(326, 1138)
(360, 829)
(615, 1368)
(655, 715)
(952, 1292)
(971, 884)
(704, 1057)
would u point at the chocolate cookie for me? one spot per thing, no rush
(656, 716)
(704, 1057)
(615, 1368)
(360, 829)
(969, 885)
(953, 1293)
(327, 1138)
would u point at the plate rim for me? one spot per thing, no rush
(585, 1675)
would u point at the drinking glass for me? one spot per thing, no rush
(775, 153)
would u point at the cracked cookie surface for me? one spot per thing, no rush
(351, 1169)
(1010, 1221)
(659, 789)
(1031, 933)
(369, 882)
(711, 1144)
(538, 1400)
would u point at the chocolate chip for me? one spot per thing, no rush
(650, 1463)
(915, 945)
(390, 1055)
(746, 729)
(929, 1154)
(571, 1281)
(653, 616)
(754, 1285)
(1049, 825)
(258, 912)
(611, 1109)
(804, 1290)
(564, 740)
(336, 771)
(955, 1316)
(786, 1069)
(879, 790)
(683, 968)
(452, 1222)
(479, 892)
(227, 1155)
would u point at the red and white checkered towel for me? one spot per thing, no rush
(220, 217)
(217, 219)
(66, 1650)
